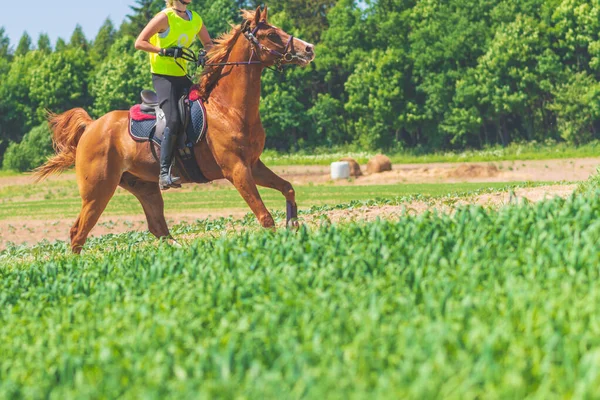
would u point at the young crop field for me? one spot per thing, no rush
(479, 303)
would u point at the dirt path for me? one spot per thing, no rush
(505, 171)
(495, 200)
(33, 231)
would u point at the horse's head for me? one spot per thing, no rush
(272, 45)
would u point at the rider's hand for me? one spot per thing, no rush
(174, 52)
(202, 58)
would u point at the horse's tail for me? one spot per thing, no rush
(67, 128)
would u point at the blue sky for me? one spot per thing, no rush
(59, 18)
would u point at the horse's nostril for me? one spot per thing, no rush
(309, 49)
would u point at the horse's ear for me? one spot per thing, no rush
(265, 14)
(257, 16)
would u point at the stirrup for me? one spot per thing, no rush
(166, 181)
(171, 182)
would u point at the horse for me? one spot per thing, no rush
(105, 156)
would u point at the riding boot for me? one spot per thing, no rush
(165, 180)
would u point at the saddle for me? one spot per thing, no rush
(147, 124)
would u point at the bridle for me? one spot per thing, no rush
(285, 56)
(258, 47)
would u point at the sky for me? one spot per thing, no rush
(59, 18)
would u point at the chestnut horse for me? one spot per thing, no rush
(105, 156)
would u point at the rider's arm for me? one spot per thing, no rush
(205, 38)
(159, 23)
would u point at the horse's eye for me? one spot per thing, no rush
(273, 36)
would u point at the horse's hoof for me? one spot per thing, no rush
(293, 224)
(174, 243)
(170, 241)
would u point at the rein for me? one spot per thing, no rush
(187, 55)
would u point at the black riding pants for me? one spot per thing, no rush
(169, 90)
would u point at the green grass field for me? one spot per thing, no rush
(515, 151)
(60, 198)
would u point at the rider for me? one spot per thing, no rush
(163, 37)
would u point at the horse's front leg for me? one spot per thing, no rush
(267, 178)
(243, 180)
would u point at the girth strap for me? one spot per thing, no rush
(189, 164)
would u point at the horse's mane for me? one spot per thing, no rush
(219, 54)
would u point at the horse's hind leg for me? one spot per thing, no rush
(96, 189)
(148, 193)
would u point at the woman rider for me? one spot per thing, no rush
(164, 36)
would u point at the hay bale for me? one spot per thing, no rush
(379, 163)
(354, 166)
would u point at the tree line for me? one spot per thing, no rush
(389, 74)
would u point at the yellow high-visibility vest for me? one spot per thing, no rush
(181, 33)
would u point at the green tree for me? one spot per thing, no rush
(143, 11)
(309, 17)
(60, 44)
(575, 27)
(329, 123)
(577, 107)
(283, 112)
(16, 106)
(43, 44)
(217, 15)
(388, 23)
(343, 46)
(4, 67)
(31, 152)
(280, 113)
(4, 44)
(78, 39)
(446, 39)
(288, 94)
(376, 99)
(59, 82)
(119, 80)
(464, 122)
(516, 75)
(101, 44)
(24, 45)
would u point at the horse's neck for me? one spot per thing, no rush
(239, 86)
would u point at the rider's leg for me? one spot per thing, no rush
(169, 90)
(169, 141)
